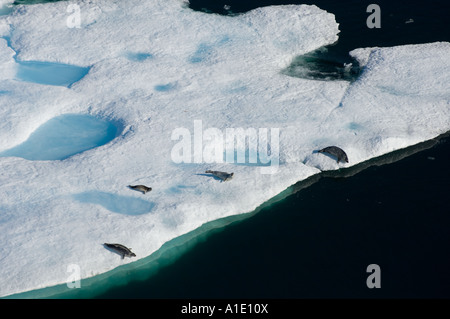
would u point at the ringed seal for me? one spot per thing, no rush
(222, 175)
(142, 188)
(335, 151)
(121, 250)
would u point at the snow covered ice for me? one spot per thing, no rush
(157, 66)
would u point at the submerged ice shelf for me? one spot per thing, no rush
(57, 213)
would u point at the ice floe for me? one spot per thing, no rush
(155, 67)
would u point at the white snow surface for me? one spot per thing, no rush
(224, 71)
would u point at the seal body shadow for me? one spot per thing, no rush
(141, 188)
(222, 175)
(120, 249)
(336, 152)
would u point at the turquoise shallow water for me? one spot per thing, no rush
(318, 241)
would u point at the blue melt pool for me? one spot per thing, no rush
(65, 136)
(50, 73)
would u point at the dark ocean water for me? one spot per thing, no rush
(318, 241)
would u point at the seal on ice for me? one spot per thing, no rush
(335, 151)
(142, 188)
(121, 250)
(222, 175)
